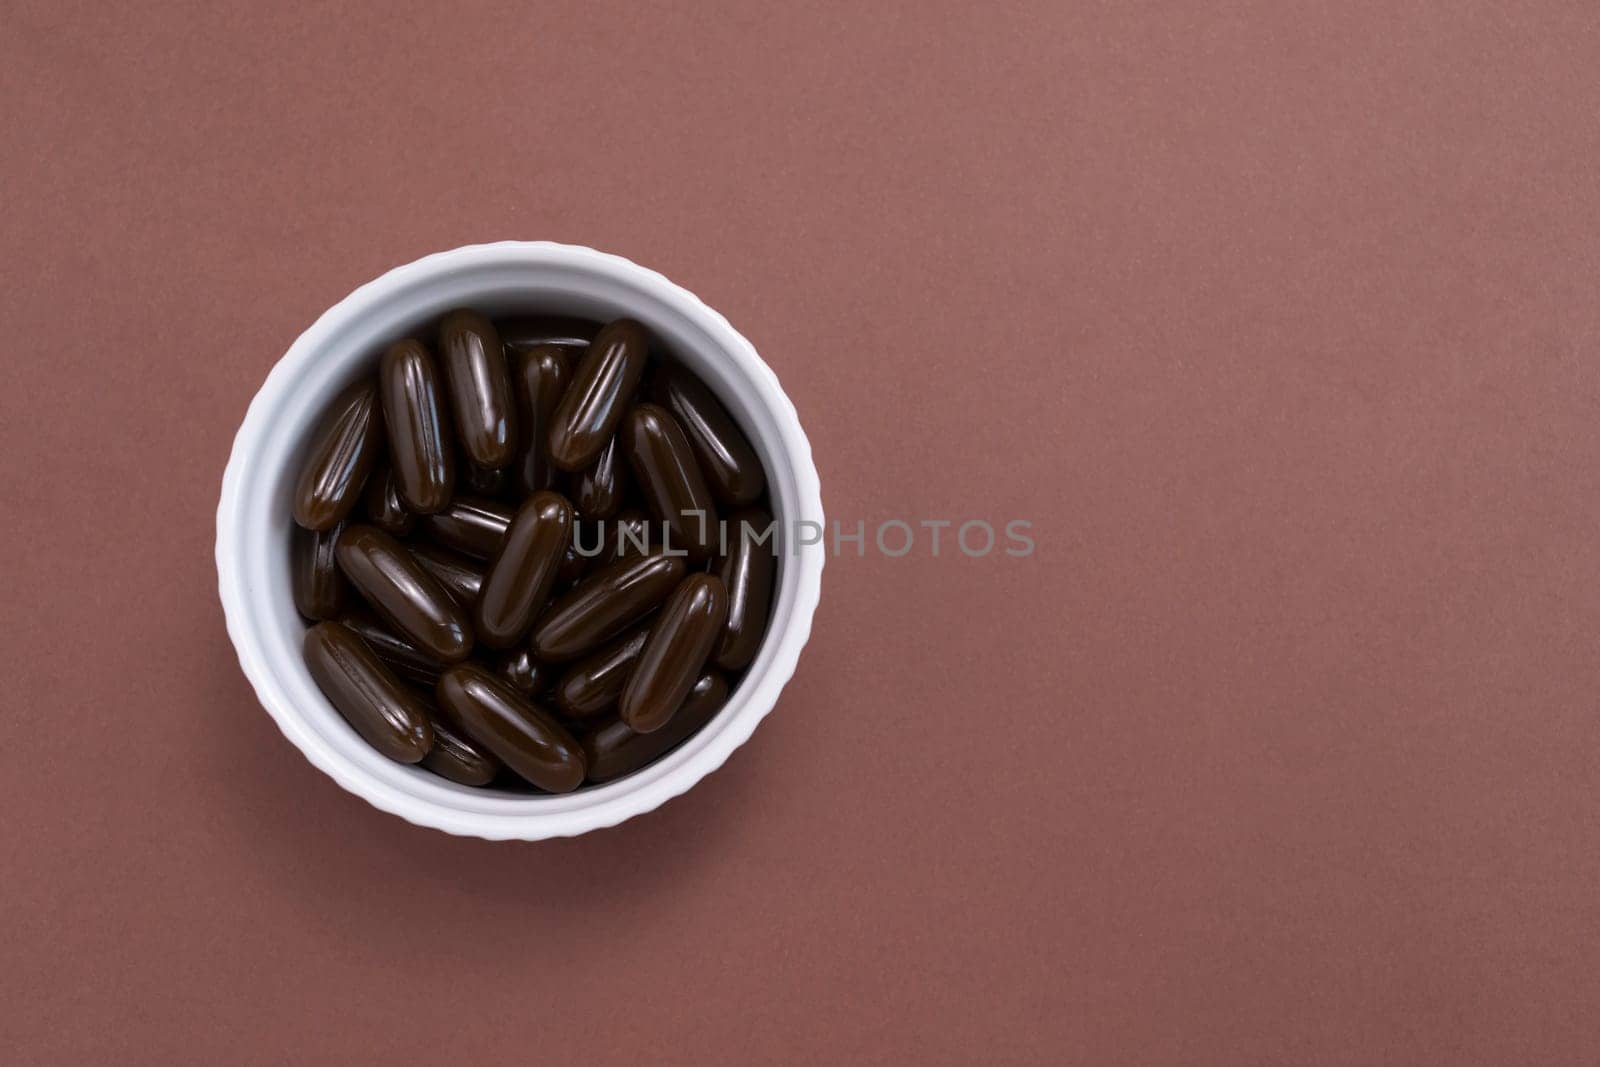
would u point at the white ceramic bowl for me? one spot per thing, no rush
(253, 519)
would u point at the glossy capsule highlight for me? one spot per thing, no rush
(523, 571)
(461, 577)
(613, 749)
(480, 389)
(604, 604)
(371, 699)
(681, 639)
(404, 594)
(603, 385)
(598, 490)
(420, 458)
(523, 736)
(344, 448)
(523, 332)
(665, 469)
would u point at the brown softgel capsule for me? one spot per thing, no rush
(680, 642)
(521, 735)
(538, 376)
(602, 387)
(470, 524)
(461, 576)
(746, 570)
(371, 699)
(603, 605)
(319, 586)
(667, 474)
(730, 465)
(523, 571)
(403, 593)
(343, 450)
(613, 750)
(595, 682)
(413, 417)
(455, 755)
(480, 389)
(382, 504)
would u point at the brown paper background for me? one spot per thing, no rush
(1279, 320)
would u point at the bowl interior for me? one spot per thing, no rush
(345, 344)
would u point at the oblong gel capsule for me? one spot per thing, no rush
(594, 683)
(730, 464)
(675, 654)
(602, 387)
(523, 736)
(523, 571)
(461, 577)
(403, 593)
(484, 481)
(455, 755)
(597, 490)
(522, 332)
(669, 477)
(539, 376)
(469, 524)
(372, 700)
(344, 447)
(319, 586)
(747, 571)
(613, 750)
(398, 654)
(480, 389)
(527, 675)
(382, 505)
(603, 605)
(420, 457)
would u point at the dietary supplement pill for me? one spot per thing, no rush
(480, 389)
(602, 386)
(343, 450)
(603, 605)
(413, 417)
(403, 593)
(523, 736)
(372, 700)
(681, 639)
(613, 750)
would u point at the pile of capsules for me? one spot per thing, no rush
(532, 555)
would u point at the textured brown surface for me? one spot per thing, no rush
(1280, 322)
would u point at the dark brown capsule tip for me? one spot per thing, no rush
(382, 504)
(747, 570)
(602, 387)
(730, 464)
(539, 377)
(523, 571)
(521, 735)
(594, 683)
(319, 586)
(680, 642)
(343, 449)
(371, 699)
(668, 475)
(459, 758)
(469, 524)
(403, 592)
(462, 577)
(598, 491)
(614, 749)
(414, 418)
(604, 604)
(480, 389)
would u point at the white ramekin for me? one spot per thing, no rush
(513, 276)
